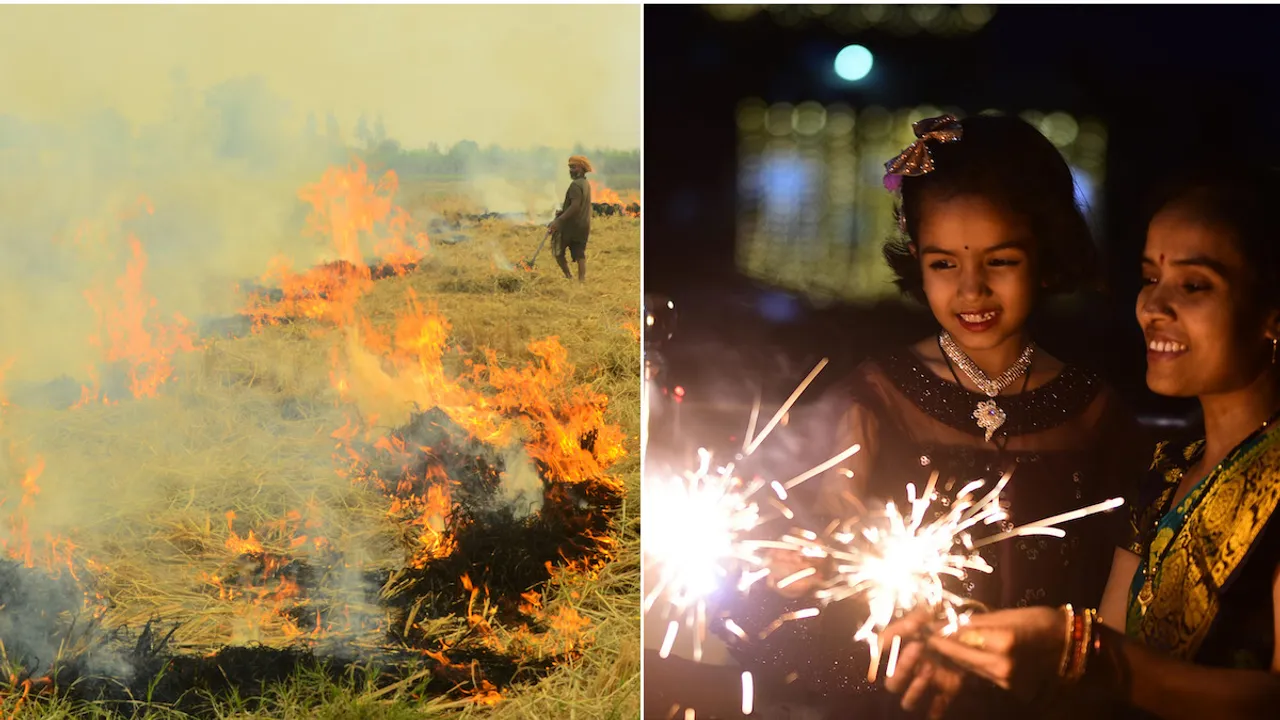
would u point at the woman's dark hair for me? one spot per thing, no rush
(1007, 162)
(1241, 201)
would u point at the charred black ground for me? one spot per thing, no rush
(501, 549)
(192, 684)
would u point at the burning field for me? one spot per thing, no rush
(401, 478)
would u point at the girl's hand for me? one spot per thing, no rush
(1019, 650)
(919, 672)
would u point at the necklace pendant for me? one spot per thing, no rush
(1145, 596)
(990, 417)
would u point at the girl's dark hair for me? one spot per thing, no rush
(1241, 201)
(1007, 162)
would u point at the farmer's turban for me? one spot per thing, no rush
(580, 162)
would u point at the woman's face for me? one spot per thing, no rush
(1205, 334)
(977, 270)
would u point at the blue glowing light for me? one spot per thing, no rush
(853, 63)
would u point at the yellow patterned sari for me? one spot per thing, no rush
(1201, 592)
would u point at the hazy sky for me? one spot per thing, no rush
(517, 75)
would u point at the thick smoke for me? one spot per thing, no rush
(521, 489)
(395, 398)
(211, 196)
(208, 199)
(188, 183)
(539, 190)
(535, 199)
(43, 621)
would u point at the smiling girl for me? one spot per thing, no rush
(1190, 624)
(990, 228)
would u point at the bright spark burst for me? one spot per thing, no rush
(697, 524)
(896, 562)
(695, 545)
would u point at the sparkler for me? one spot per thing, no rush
(699, 518)
(898, 562)
(895, 561)
(702, 521)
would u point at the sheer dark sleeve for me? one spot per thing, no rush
(854, 421)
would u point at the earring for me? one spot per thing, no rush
(1274, 342)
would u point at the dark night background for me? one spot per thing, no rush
(1170, 83)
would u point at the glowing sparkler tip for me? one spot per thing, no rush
(895, 559)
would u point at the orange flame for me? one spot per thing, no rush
(557, 416)
(346, 205)
(20, 537)
(382, 373)
(349, 210)
(53, 552)
(388, 374)
(129, 335)
(603, 195)
(485, 694)
(414, 352)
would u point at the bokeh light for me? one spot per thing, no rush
(853, 63)
(809, 118)
(812, 212)
(900, 20)
(1060, 128)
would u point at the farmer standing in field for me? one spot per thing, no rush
(572, 225)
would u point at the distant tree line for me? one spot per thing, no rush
(244, 121)
(620, 168)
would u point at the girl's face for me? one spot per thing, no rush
(977, 270)
(1205, 332)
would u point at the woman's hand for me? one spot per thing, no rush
(1020, 650)
(918, 670)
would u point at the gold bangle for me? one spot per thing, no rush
(1066, 648)
(1081, 641)
(1086, 641)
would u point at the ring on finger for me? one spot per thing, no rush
(972, 638)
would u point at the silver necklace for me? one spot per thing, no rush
(989, 416)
